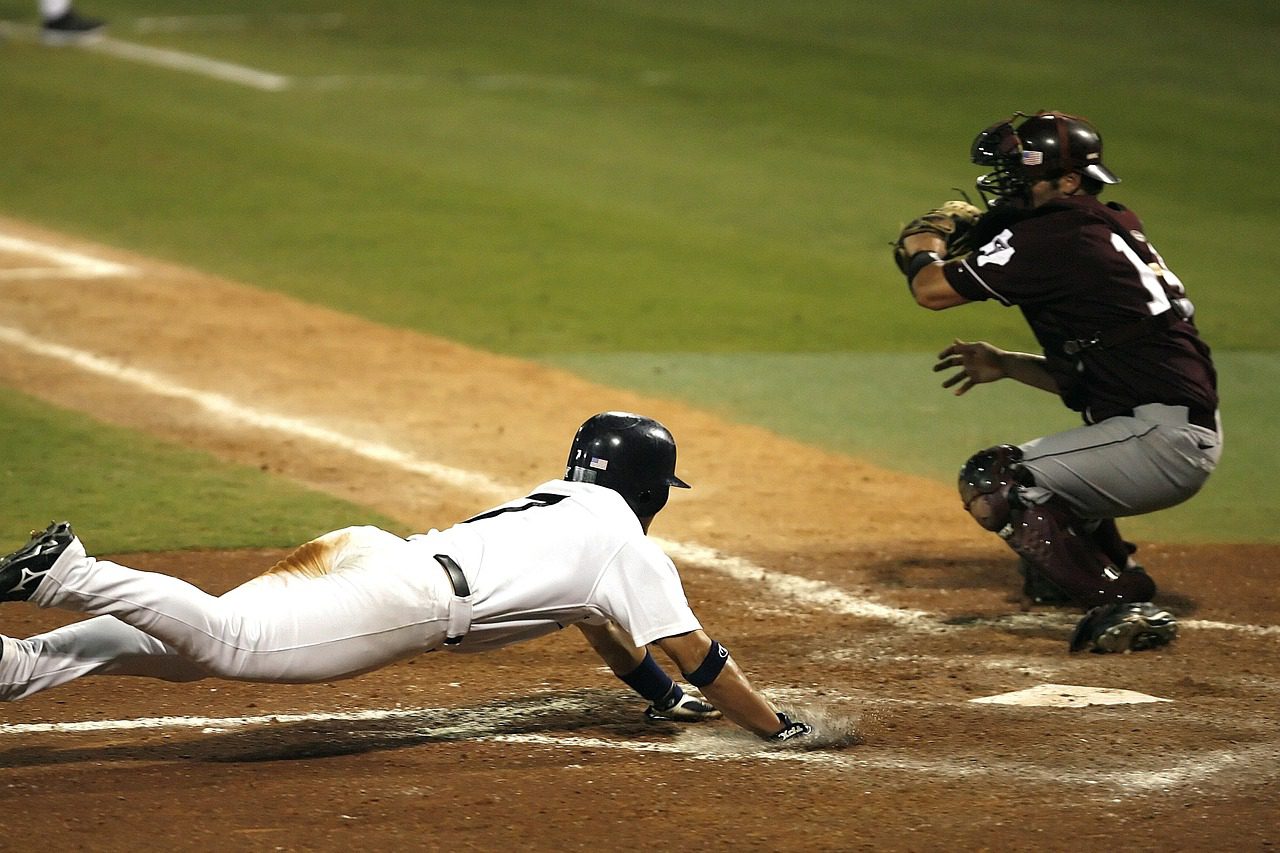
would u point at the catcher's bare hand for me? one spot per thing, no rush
(944, 230)
(979, 362)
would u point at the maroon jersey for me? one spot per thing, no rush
(1114, 322)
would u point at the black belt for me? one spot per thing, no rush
(460, 586)
(456, 577)
(1203, 418)
(1195, 415)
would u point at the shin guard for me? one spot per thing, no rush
(1047, 536)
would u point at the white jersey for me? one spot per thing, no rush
(359, 598)
(567, 553)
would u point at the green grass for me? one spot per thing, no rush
(600, 177)
(124, 492)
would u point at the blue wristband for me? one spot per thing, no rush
(649, 680)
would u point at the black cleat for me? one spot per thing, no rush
(71, 28)
(22, 571)
(1124, 627)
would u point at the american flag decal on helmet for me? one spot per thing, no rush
(601, 464)
(1032, 158)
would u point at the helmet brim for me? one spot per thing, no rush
(673, 480)
(1099, 172)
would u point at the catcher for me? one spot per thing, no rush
(1119, 346)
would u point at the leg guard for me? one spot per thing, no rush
(1048, 537)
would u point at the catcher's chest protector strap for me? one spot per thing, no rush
(1046, 537)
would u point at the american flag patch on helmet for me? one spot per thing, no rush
(1032, 158)
(601, 464)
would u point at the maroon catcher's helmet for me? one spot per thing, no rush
(1044, 146)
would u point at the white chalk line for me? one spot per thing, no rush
(705, 744)
(177, 60)
(221, 406)
(269, 81)
(228, 409)
(818, 594)
(64, 262)
(173, 60)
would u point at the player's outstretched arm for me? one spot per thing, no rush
(709, 667)
(639, 671)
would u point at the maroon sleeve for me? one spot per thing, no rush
(1019, 265)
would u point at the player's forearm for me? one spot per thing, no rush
(709, 667)
(741, 703)
(1029, 369)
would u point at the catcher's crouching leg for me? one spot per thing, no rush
(1048, 537)
(1045, 535)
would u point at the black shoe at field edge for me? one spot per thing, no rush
(22, 571)
(70, 27)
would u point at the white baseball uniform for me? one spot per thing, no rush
(359, 598)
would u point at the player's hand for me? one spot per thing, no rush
(685, 709)
(790, 729)
(979, 362)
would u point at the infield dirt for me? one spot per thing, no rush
(536, 746)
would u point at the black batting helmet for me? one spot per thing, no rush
(1044, 146)
(631, 454)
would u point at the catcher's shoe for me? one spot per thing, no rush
(1124, 627)
(22, 571)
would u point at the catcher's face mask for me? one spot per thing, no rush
(1000, 148)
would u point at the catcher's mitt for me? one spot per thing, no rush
(953, 222)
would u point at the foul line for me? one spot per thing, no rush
(65, 263)
(228, 409)
(177, 60)
(811, 591)
(174, 60)
(814, 593)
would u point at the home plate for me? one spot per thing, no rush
(1068, 696)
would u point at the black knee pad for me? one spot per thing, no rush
(988, 484)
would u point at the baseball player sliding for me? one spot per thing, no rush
(573, 552)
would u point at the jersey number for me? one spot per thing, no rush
(1165, 287)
